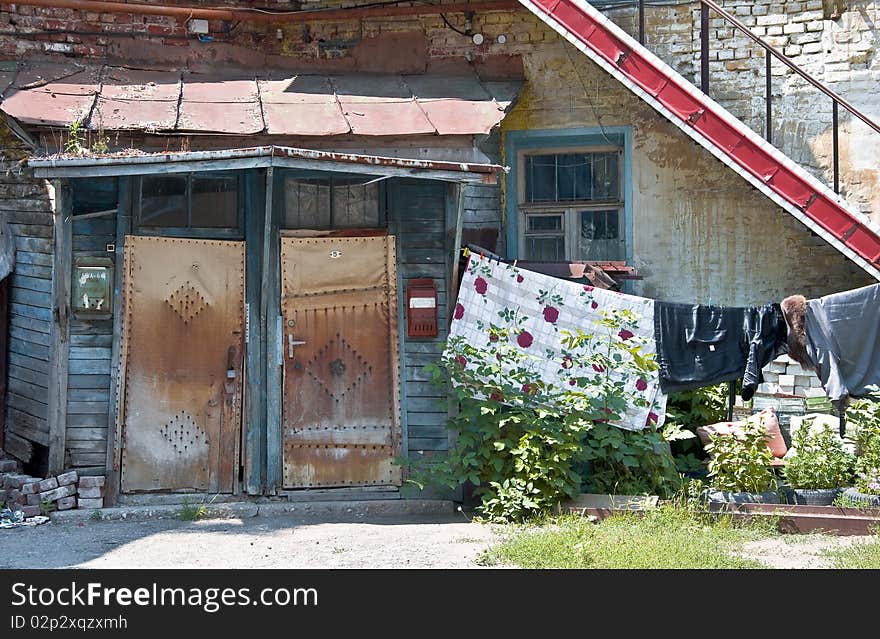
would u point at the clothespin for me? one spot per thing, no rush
(481, 256)
(514, 263)
(710, 302)
(466, 251)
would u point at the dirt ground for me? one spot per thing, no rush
(284, 541)
(298, 541)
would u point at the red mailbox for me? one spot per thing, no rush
(421, 308)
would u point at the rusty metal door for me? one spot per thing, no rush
(341, 396)
(181, 368)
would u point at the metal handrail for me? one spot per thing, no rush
(791, 65)
(772, 52)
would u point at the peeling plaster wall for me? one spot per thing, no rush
(699, 230)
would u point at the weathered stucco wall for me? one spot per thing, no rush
(699, 230)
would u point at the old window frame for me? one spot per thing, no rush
(236, 232)
(516, 141)
(333, 181)
(569, 210)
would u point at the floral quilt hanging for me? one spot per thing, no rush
(536, 315)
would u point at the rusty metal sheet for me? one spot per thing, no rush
(505, 93)
(183, 334)
(242, 118)
(206, 88)
(458, 117)
(134, 85)
(403, 117)
(73, 79)
(33, 107)
(341, 399)
(305, 118)
(148, 115)
(293, 89)
(450, 87)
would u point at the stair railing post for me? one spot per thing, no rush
(641, 21)
(834, 142)
(768, 127)
(704, 48)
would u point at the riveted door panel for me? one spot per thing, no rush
(183, 349)
(339, 305)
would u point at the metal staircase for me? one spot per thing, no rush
(730, 140)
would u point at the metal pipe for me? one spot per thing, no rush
(791, 65)
(261, 15)
(835, 144)
(704, 48)
(768, 126)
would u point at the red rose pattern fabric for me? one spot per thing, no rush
(491, 291)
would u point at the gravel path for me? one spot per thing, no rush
(286, 541)
(797, 551)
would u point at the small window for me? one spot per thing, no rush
(571, 205)
(331, 203)
(190, 201)
(93, 195)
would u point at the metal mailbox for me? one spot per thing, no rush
(91, 292)
(421, 308)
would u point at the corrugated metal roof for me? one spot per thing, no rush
(274, 102)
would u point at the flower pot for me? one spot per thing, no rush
(731, 497)
(862, 498)
(813, 496)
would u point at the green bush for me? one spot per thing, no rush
(689, 410)
(865, 415)
(522, 443)
(820, 460)
(741, 464)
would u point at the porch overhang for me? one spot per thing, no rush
(139, 163)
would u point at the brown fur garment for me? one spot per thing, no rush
(794, 309)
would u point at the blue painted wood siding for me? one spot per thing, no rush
(26, 205)
(91, 342)
(418, 217)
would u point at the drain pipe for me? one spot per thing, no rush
(262, 15)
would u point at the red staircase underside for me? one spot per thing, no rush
(694, 109)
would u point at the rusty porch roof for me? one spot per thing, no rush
(271, 102)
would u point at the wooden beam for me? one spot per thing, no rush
(4, 336)
(60, 329)
(270, 320)
(254, 415)
(456, 248)
(114, 426)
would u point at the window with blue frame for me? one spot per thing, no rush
(571, 204)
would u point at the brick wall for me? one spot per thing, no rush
(699, 230)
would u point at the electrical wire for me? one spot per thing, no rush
(458, 31)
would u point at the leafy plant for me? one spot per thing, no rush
(75, 143)
(688, 410)
(819, 461)
(47, 506)
(522, 442)
(865, 415)
(96, 515)
(741, 463)
(192, 512)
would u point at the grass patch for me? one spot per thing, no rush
(666, 537)
(863, 554)
(194, 512)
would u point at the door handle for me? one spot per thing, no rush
(291, 343)
(230, 362)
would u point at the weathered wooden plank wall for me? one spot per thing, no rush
(91, 340)
(26, 204)
(418, 217)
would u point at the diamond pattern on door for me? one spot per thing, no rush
(187, 302)
(341, 399)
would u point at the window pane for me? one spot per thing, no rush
(306, 204)
(572, 177)
(605, 176)
(214, 202)
(600, 236)
(355, 205)
(544, 222)
(545, 249)
(163, 201)
(540, 178)
(91, 195)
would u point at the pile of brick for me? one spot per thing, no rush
(34, 495)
